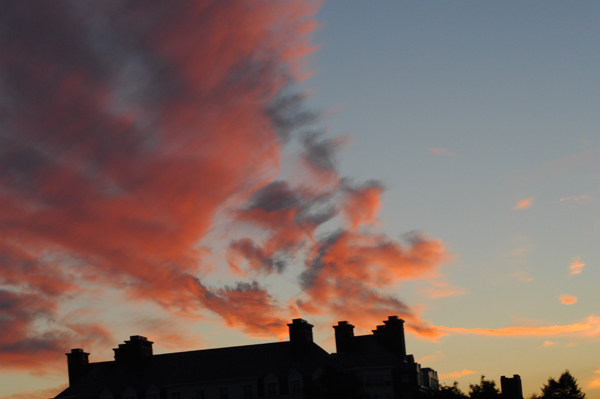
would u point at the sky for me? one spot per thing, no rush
(203, 172)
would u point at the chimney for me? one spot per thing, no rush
(344, 334)
(134, 350)
(511, 387)
(300, 335)
(391, 336)
(77, 362)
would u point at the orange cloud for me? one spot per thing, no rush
(522, 276)
(595, 382)
(524, 203)
(589, 327)
(567, 299)
(432, 358)
(362, 203)
(456, 374)
(576, 266)
(443, 151)
(442, 289)
(547, 344)
(349, 270)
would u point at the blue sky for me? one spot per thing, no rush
(463, 109)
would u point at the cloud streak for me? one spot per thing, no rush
(524, 204)
(566, 299)
(456, 374)
(588, 327)
(576, 265)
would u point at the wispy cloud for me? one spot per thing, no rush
(594, 383)
(523, 277)
(548, 344)
(582, 199)
(523, 204)
(589, 327)
(566, 299)
(432, 358)
(576, 266)
(441, 289)
(443, 151)
(456, 374)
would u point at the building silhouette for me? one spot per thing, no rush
(377, 364)
(511, 387)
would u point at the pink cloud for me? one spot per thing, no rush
(567, 299)
(523, 204)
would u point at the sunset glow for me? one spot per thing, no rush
(202, 172)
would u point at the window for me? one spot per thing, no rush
(295, 386)
(175, 395)
(200, 394)
(271, 388)
(223, 393)
(247, 391)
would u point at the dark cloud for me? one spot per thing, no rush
(290, 114)
(320, 152)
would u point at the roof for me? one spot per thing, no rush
(251, 361)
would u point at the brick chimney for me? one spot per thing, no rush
(134, 350)
(77, 362)
(300, 335)
(344, 335)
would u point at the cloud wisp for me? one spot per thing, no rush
(523, 204)
(456, 374)
(588, 327)
(576, 265)
(566, 299)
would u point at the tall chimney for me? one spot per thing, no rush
(77, 362)
(344, 334)
(300, 335)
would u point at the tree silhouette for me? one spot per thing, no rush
(485, 390)
(565, 388)
(449, 392)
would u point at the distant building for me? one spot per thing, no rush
(511, 387)
(289, 369)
